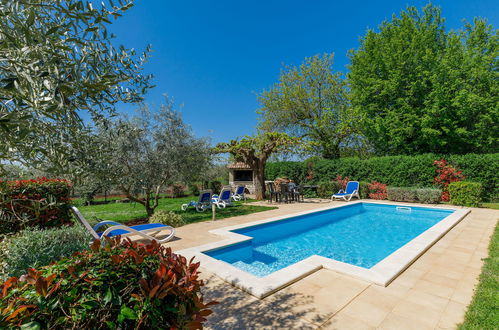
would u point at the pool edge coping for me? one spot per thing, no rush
(382, 273)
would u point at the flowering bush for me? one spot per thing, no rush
(123, 285)
(342, 182)
(446, 174)
(38, 202)
(377, 190)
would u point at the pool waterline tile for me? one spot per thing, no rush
(381, 274)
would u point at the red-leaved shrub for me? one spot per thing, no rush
(123, 285)
(377, 190)
(446, 174)
(38, 202)
(342, 182)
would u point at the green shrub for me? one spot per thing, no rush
(194, 188)
(41, 203)
(326, 189)
(401, 194)
(364, 189)
(215, 186)
(398, 171)
(466, 193)
(124, 285)
(428, 195)
(167, 218)
(33, 248)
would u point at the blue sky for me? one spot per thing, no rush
(213, 56)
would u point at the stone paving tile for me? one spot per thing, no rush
(431, 294)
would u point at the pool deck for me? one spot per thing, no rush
(431, 294)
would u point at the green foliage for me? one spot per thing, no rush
(363, 189)
(482, 313)
(398, 171)
(401, 194)
(466, 193)
(38, 202)
(34, 248)
(256, 150)
(310, 101)
(123, 285)
(58, 62)
(419, 88)
(215, 186)
(428, 195)
(167, 218)
(327, 188)
(151, 151)
(291, 170)
(194, 189)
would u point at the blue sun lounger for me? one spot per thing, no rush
(239, 194)
(116, 229)
(224, 199)
(202, 204)
(351, 190)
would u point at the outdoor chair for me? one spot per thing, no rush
(224, 199)
(202, 204)
(298, 193)
(272, 193)
(284, 192)
(351, 190)
(116, 229)
(239, 194)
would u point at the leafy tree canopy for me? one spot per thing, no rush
(310, 101)
(422, 89)
(255, 151)
(150, 151)
(57, 63)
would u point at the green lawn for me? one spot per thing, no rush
(483, 312)
(494, 206)
(126, 212)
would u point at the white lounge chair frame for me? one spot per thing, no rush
(347, 197)
(221, 204)
(199, 205)
(237, 197)
(115, 225)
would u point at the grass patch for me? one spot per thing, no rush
(483, 312)
(127, 212)
(494, 206)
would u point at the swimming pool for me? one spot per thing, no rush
(370, 241)
(361, 234)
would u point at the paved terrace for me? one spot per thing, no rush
(431, 294)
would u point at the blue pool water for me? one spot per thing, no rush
(359, 234)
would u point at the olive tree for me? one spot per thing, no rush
(152, 150)
(256, 150)
(57, 64)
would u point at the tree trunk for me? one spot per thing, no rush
(260, 181)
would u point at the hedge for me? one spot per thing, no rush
(397, 171)
(41, 203)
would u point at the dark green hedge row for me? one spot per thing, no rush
(397, 171)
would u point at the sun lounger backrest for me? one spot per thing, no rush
(240, 190)
(352, 186)
(205, 196)
(225, 194)
(84, 222)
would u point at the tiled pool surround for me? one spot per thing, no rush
(381, 273)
